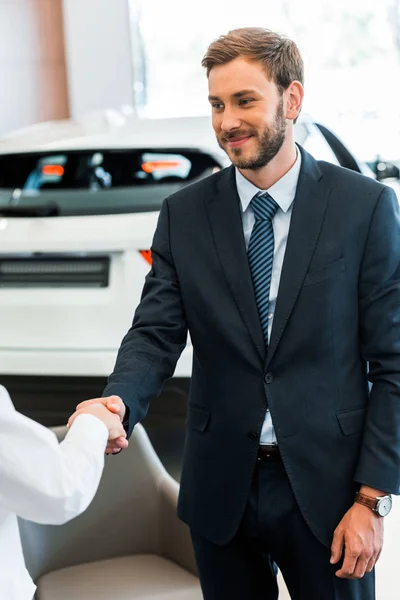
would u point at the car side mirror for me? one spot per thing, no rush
(385, 170)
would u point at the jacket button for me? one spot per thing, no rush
(268, 378)
(253, 436)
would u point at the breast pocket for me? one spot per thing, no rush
(324, 273)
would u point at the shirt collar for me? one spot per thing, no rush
(283, 191)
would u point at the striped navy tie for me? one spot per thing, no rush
(261, 253)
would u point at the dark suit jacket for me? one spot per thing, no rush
(336, 326)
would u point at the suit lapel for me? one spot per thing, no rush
(307, 217)
(224, 212)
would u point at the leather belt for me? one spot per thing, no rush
(268, 452)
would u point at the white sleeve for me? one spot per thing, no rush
(42, 480)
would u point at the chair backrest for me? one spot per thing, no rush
(122, 519)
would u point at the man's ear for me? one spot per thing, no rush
(294, 99)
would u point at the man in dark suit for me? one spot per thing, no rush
(286, 273)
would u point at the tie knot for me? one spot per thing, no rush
(264, 206)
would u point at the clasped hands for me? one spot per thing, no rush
(111, 411)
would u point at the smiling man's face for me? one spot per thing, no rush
(247, 113)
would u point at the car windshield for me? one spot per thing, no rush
(99, 181)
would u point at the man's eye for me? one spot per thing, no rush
(245, 101)
(217, 105)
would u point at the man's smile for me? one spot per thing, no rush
(236, 142)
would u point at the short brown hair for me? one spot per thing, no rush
(280, 55)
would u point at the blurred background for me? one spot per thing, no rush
(104, 113)
(64, 58)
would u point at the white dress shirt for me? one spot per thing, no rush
(283, 192)
(42, 481)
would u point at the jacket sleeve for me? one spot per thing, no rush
(151, 348)
(379, 310)
(42, 480)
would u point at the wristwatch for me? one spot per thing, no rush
(380, 505)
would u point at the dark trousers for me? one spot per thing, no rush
(273, 534)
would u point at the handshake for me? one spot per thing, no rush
(111, 411)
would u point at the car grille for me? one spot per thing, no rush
(54, 271)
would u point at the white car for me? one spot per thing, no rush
(79, 204)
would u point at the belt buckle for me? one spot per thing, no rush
(266, 455)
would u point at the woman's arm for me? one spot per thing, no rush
(42, 480)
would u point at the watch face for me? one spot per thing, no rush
(384, 506)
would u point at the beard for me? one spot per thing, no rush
(270, 141)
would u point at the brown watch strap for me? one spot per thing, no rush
(366, 500)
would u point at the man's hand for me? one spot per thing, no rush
(110, 419)
(360, 533)
(115, 405)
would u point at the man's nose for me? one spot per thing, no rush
(230, 121)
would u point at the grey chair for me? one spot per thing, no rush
(128, 545)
